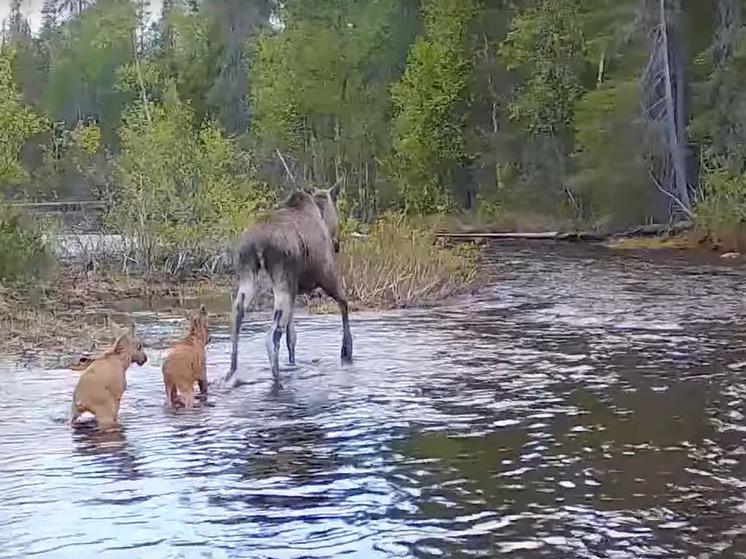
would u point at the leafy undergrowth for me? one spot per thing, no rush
(720, 211)
(399, 264)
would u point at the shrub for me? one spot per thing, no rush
(720, 210)
(400, 264)
(17, 122)
(179, 193)
(24, 248)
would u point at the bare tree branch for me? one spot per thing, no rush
(287, 169)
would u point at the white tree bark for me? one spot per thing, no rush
(664, 104)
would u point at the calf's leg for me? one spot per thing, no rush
(201, 377)
(106, 415)
(202, 384)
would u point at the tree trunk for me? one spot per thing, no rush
(664, 104)
(677, 81)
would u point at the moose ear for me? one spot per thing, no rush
(334, 192)
(120, 344)
(202, 310)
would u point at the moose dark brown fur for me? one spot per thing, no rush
(295, 246)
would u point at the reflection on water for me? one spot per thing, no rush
(588, 405)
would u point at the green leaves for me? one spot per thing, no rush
(430, 104)
(546, 45)
(320, 90)
(84, 63)
(177, 189)
(17, 122)
(23, 249)
(275, 95)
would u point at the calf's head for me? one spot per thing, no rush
(198, 325)
(127, 344)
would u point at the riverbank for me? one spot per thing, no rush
(682, 236)
(69, 313)
(392, 266)
(690, 239)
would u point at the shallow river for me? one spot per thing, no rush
(588, 404)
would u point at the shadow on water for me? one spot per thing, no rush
(589, 404)
(108, 449)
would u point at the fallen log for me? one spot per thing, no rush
(515, 235)
(657, 230)
(653, 230)
(512, 235)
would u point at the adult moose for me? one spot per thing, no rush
(295, 246)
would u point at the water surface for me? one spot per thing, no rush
(587, 404)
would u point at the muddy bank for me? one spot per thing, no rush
(60, 320)
(56, 322)
(67, 317)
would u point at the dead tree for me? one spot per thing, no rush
(664, 106)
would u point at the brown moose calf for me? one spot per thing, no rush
(103, 382)
(186, 363)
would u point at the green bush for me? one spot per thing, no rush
(24, 248)
(179, 194)
(720, 209)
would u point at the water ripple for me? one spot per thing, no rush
(588, 405)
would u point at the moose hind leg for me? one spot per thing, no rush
(283, 297)
(334, 291)
(291, 337)
(244, 297)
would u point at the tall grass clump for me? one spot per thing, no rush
(401, 264)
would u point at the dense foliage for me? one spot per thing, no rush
(489, 108)
(22, 244)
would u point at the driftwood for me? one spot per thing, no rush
(541, 236)
(653, 230)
